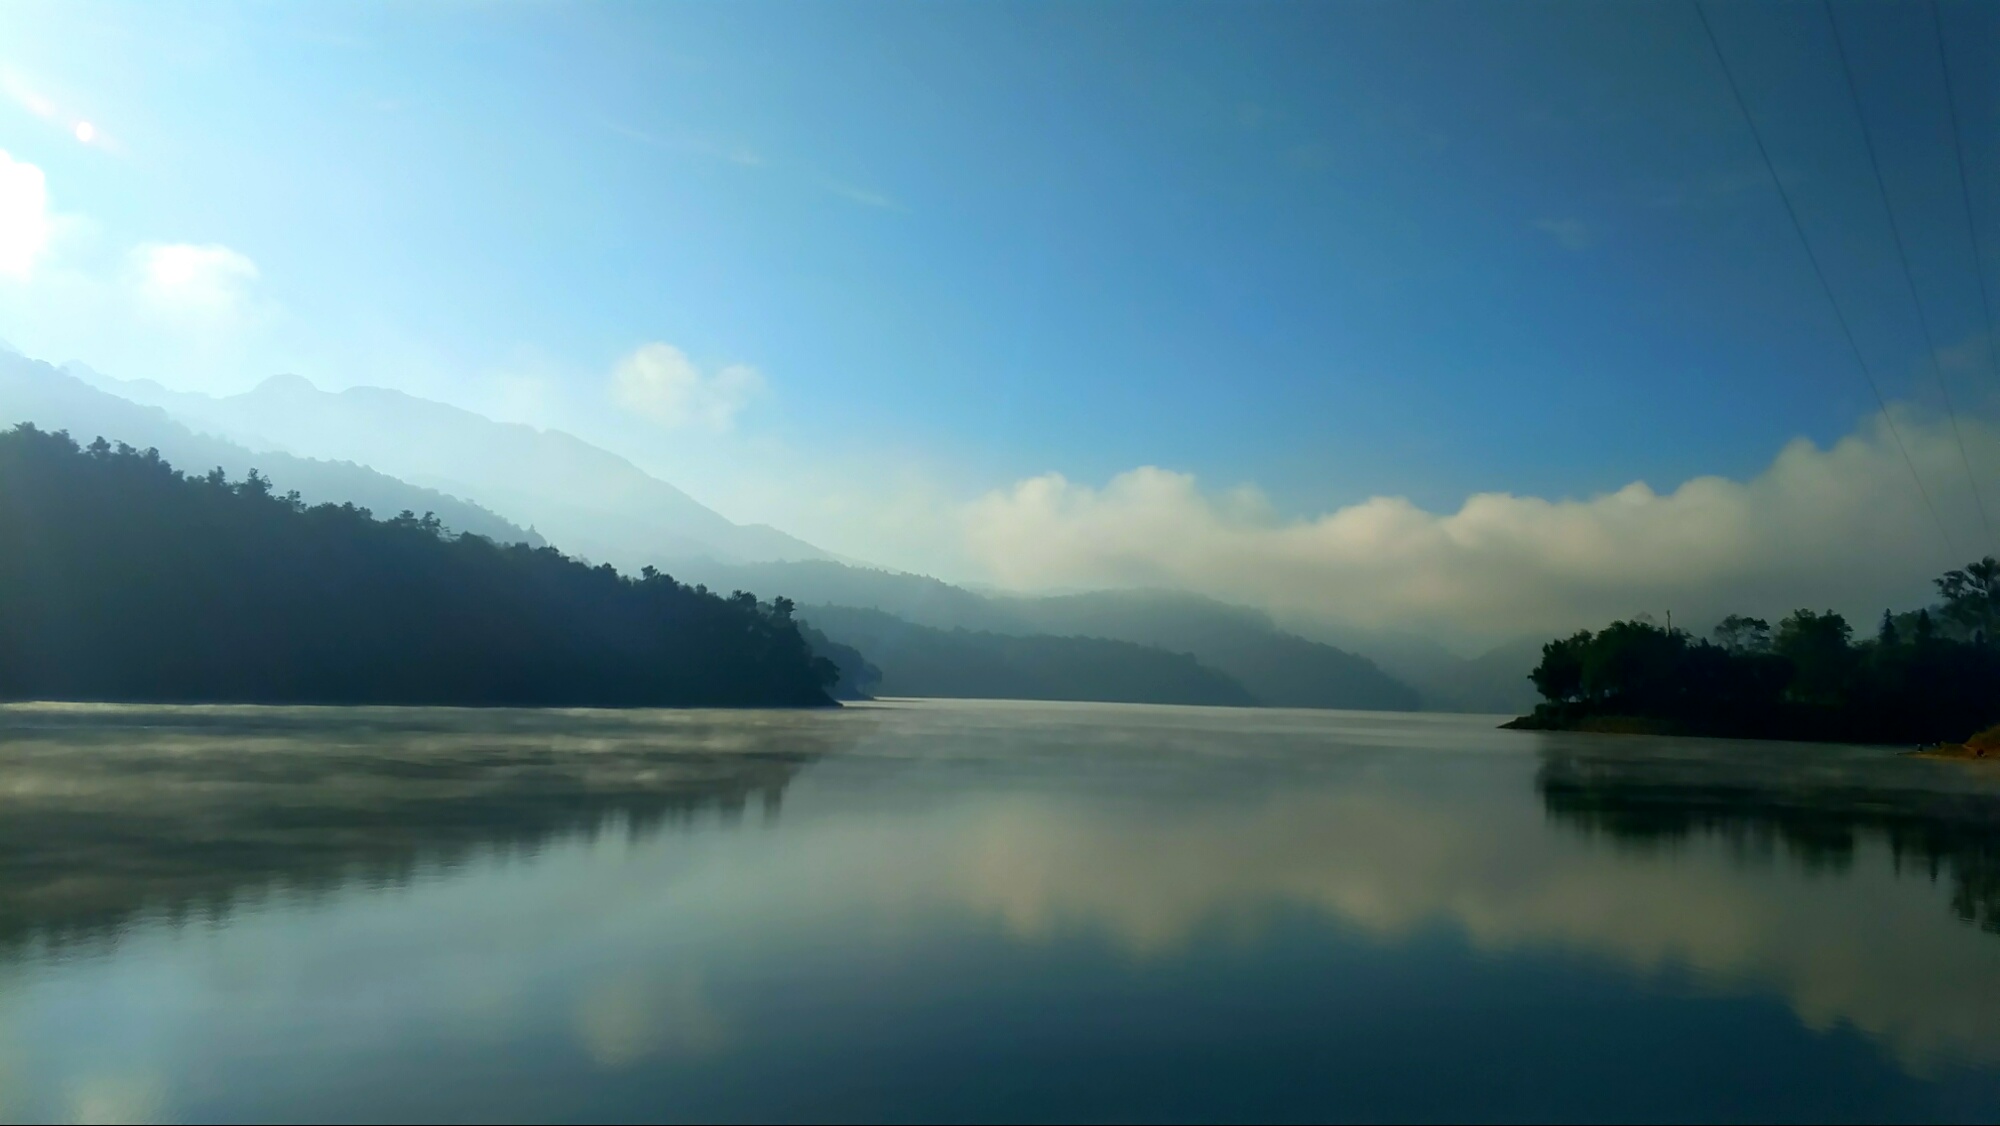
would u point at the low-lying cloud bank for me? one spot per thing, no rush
(1841, 527)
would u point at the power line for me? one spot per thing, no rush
(1965, 196)
(1846, 330)
(1903, 257)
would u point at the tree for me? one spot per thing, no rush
(1559, 676)
(1885, 634)
(1972, 597)
(1739, 634)
(1632, 663)
(1817, 647)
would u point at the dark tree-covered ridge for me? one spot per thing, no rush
(911, 660)
(1925, 677)
(123, 579)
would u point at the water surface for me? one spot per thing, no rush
(919, 911)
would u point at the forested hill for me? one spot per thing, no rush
(53, 399)
(910, 660)
(123, 579)
(1930, 675)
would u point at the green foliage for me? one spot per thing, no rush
(1817, 647)
(1809, 680)
(123, 579)
(1560, 675)
(1972, 598)
(859, 678)
(1739, 634)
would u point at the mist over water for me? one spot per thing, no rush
(921, 910)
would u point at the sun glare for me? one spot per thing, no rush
(86, 132)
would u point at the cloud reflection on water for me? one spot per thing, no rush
(1827, 875)
(1760, 869)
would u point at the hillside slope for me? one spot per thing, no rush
(35, 392)
(1281, 669)
(918, 660)
(1277, 668)
(122, 579)
(1494, 682)
(586, 498)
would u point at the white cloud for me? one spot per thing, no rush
(206, 285)
(660, 383)
(1841, 527)
(186, 314)
(25, 223)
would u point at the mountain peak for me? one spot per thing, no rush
(286, 384)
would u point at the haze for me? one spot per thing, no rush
(1461, 323)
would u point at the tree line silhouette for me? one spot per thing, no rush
(124, 579)
(1932, 675)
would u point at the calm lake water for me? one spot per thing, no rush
(921, 911)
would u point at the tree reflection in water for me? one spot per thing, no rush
(108, 814)
(1936, 818)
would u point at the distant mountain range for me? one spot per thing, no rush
(1494, 682)
(903, 634)
(587, 499)
(1274, 667)
(914, 660)
(1281, 668)
(32, 391)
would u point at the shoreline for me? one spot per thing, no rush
(1647, 725)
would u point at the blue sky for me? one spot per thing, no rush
(1332, 251)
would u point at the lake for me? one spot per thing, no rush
(921, 910)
